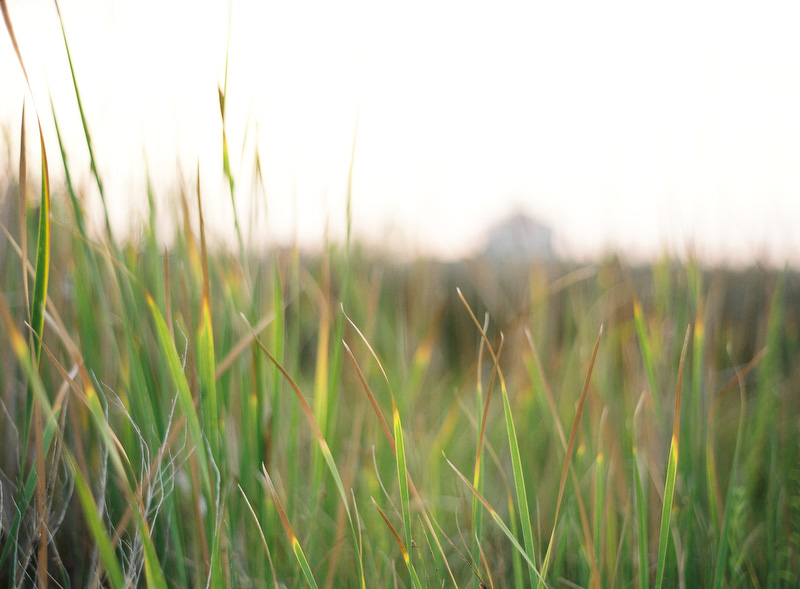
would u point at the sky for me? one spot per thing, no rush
(622, 125)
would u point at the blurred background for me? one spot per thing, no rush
(614, 126)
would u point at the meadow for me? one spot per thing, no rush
(191, 416)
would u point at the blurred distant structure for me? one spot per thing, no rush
(519, 238)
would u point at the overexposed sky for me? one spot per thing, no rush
(622, 125)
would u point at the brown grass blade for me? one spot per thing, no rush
(581, 506)
(372, 400)
(570, 447)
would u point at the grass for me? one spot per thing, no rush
(171, 417)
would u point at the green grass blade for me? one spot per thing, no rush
(84, 124)
(482, 407)
(402, 475)
(415, 582)
(672, 470)
(97, 528)
(666, 512)
(641, 522)
(312, 422)
(184, 394)
(647, 356)
(296, 548)
(499, 521)
(206, 365)
(722, 549)
(516, 460)
(23, 210)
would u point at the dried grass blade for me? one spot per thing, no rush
(570, 447)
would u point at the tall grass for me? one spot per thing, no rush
(171, 417)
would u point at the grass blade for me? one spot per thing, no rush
(516, 460)
(641, 522)
(312, 422)
(402, 475)
(406, 556)
(296, 548)
(570, 447)
(499, 521)
(206, 365)
(23, 210)
(672, 469)
(722, 549)
(97, 528)
(86, 134)
(647, 356)
(184, 394)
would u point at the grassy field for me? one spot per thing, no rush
(189, 417)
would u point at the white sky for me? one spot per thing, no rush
(622, 125)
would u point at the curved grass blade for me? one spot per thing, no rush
(672, 469)
(406, 557)
(499, 521)
(412, 488)
(516, 460)
(312, 422)
(96, 527)
(296, 548)
(263, 538)
(323, 444)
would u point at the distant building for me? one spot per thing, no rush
(519, 238)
